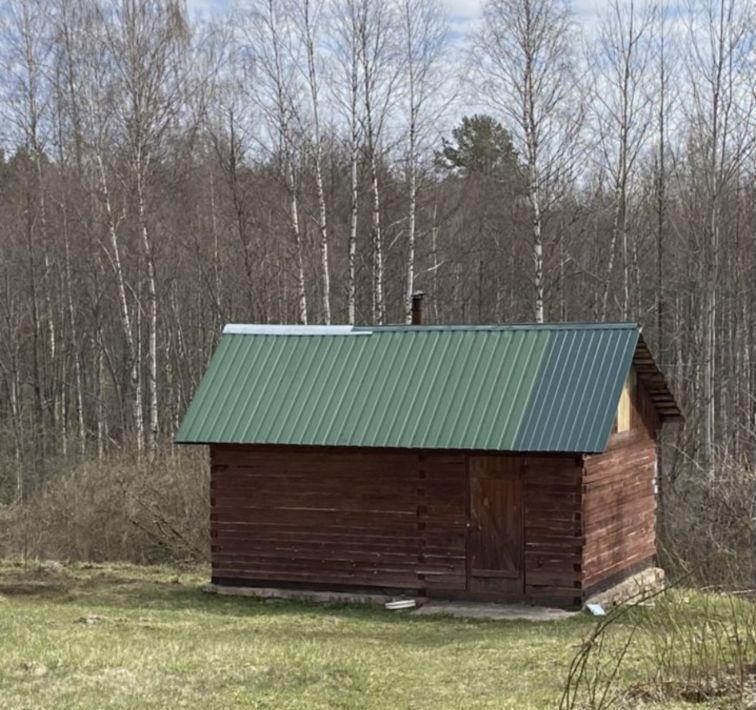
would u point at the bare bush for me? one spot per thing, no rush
(682, 646)
(114, 510)
(709, 524)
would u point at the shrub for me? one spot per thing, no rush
(709, 526)
(113, 510)
(682, 646)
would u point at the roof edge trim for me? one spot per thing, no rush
(255, 329)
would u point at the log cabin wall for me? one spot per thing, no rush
(377, 519)
(553, 529)
(619, 500)
(337, 518)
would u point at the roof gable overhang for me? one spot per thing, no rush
(655, 384)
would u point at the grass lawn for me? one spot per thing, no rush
(119, 636)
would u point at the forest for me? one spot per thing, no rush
(163, 173)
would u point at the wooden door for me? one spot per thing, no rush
(495, 528)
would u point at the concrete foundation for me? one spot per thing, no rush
(300, 595)
(425, 607)
(643, 583)
(632, 589)
(493, 612)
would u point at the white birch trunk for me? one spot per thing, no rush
(410, 276)
(378, 304)
(436, 263)
(537, 231)
(354, 186)
(352, 245)
(317, 159)
(152, 316)
(99, 404)
(78, 389)
(530, 125)
(15, 411)
(283, 109)
(123, 303)
(376, 235)
(297, 234)
(410, 48)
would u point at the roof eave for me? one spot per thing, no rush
(655, 383)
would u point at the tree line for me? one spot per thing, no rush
(318, 161)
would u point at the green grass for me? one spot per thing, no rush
(156, 640)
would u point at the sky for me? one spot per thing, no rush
(463, 14)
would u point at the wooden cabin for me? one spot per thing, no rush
(507, 462)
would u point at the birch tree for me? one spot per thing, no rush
(228, 120)
(309, 22)
(345, 17)
(623, 113)
(145, 38)
(377, 58)
(662, 98)
(720, 111)
(525, 60)
(88, 57)
(24, 42)
(424, 42)
(267, 32)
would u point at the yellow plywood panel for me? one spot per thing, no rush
(624, 409)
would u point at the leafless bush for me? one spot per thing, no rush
(113, 509)
(688, 646)
(709, 526)
(701, 647)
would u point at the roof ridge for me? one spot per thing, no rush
(285, 329)
(577, 325)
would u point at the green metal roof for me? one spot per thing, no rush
(500, 388)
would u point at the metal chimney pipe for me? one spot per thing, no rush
(417, 308)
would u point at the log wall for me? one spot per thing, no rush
(351, 518)
(619, 500)
(341, 518)
(553, 496)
